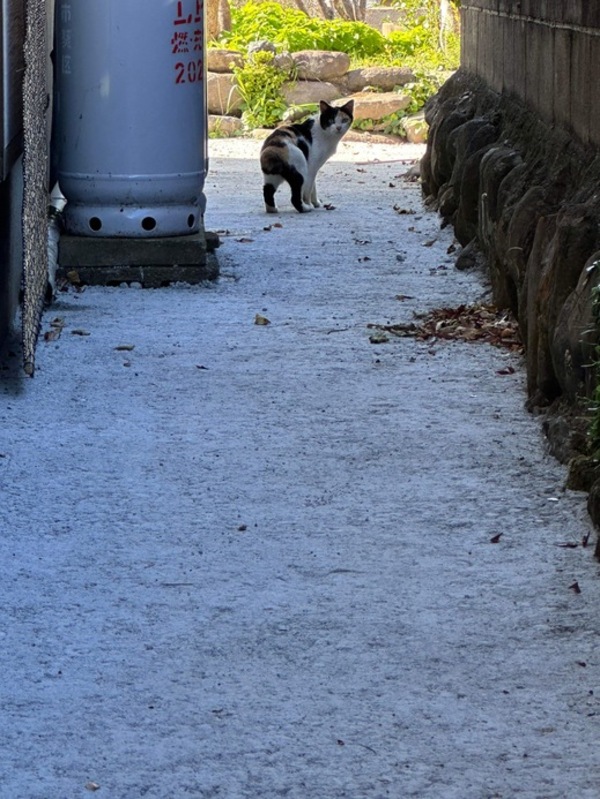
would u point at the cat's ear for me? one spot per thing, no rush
(348, 108)
(324, 107)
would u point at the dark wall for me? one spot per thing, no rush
(546, 52)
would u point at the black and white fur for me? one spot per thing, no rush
(295, 153)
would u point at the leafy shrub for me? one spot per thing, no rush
(409, 42)
(260, 82)
(289, 29)
(292, 30)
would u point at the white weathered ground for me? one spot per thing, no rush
(255, 561)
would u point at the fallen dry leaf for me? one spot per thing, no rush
(378, 338)
(79, 332)
(244, 240)
(585, 540)
(329, 207)
(495, 539)
(483, 322)
(575, 587)
(261, 320)
(52, 335)
(92, 786)
(124, 347)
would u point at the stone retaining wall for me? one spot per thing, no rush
(320, 75)
(524, 194)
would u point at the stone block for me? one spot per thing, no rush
(224, 126)
(377, 105)
(222, 94)
(386, 78)
(219, 60)
(416, 129)
(309, 91)
(322, 65)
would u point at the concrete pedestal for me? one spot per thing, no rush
(153, 262)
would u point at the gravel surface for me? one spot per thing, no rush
(248, 560)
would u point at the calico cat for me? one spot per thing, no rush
(295, 153)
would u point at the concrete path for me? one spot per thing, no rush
(249, 561)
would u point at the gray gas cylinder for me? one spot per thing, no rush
(130, 135)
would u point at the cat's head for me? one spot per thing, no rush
(336, 121)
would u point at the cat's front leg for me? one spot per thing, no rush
(309, 197)
(314, 197)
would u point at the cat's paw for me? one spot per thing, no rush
(306, 207)
(317, 203)
(271, 209)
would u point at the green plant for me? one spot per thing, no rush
(292, 30)
(425, 86)
(391, 125)
(289, 29)
(260, 84)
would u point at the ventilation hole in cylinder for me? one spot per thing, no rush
(191, 220)
(148, 223)
(95, 224)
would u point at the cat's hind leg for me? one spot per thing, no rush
(272, 182)
(296, 175)
(296, 181)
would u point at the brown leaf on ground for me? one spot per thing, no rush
(585, 540)
(378, 338)
(482, 322)
(261, 320)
